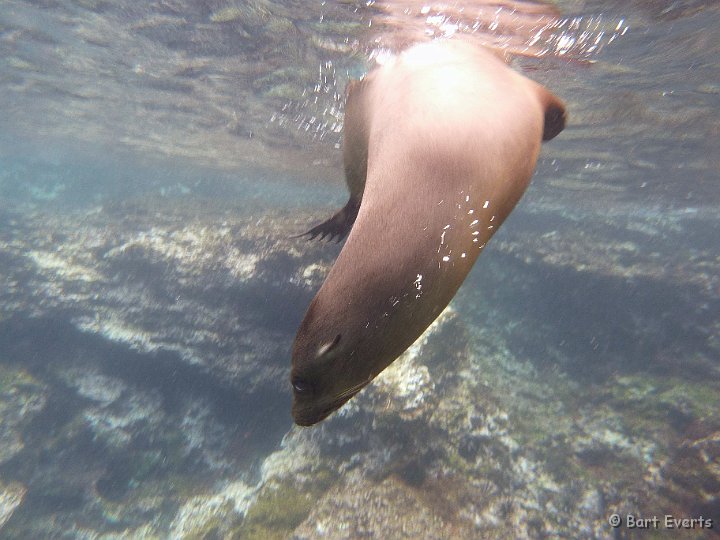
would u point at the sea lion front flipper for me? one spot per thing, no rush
(355, 151)
(355, 136)
(337, 227)
(555, 115)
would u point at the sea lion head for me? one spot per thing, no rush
(325, 358)
(359, 322)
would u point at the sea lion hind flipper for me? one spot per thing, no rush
(337, 227)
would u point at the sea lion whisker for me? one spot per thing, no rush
(348, 392)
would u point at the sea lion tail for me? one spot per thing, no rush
(337, 227)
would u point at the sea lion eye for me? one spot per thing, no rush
(301, 386)
(327, 347)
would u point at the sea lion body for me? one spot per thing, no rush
(439, 145)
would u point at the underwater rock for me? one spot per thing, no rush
(117, 450)
(389, 509)
(148, 344)
(95, 386)
(117, 425)
(204, 291)
(212, 515)
(691, 477)
(21, 398)
(11, 496)
(514, 451)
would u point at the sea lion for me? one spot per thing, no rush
(439, 145)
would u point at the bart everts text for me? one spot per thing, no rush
(665, 521)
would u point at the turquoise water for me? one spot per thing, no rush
(155, 160)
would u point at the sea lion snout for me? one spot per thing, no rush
(308, 413)
(321, 371)
(312, 404)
